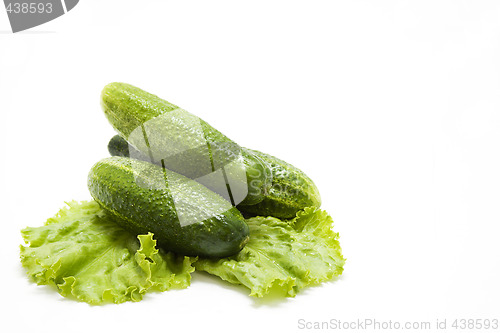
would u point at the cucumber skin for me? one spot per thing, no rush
(118, 146)
(127, 107)
(291, 191)
(112, 183)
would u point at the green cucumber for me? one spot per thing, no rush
(185, 216)
(184, 143)
(292, 190)
(117, 146)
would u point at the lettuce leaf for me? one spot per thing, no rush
(88, 257)
(283, 256)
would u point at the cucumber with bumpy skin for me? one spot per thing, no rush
(291, 190)
(117, 146)
(185, 216)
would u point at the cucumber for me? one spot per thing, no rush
(185, 216)
(117, 146)
(291, 190)
(172, 137)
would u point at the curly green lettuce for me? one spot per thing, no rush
(283, 256)
(90, 258)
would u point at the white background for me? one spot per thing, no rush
(392, 107)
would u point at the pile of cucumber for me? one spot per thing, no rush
(174, 175)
